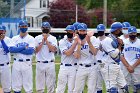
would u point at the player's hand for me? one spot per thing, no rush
(90, 33)
(43, 41)
(120, 41)
(130, 69)
(88, 39)
(77, 39)
(45, 36)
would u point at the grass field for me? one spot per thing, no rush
(57, 66)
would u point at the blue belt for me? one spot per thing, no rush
(4, 64)
(21, 60)
(69, 64)
(45, 61)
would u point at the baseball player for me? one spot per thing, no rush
(111, 71)
(85, 52)
(67, 71)
(5, 69)
(46, 46)
(22, 50)
(101, 35)
(125, 35)
(131, 59)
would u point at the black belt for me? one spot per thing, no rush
(115, 63)
(69, 64)
(87, 65)
(45, 61)
(21, 60)
(4, 64)
(99, 61)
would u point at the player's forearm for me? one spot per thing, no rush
(123, 60)
(38, 48)
(28, 51)
(78, 52)
(92, 49)
(70, 50)
(51, 47)
(16, 49)
(136, 63)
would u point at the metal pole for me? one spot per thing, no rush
(11, 8)
(105, 13)
(24, 9)
(76, 13)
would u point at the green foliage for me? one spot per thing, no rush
(4, 8)
(122, 10)
(90, 4)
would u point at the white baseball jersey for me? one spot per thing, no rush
(5, 71)
(64, 45)
(65, 76)
(111, 72)
(107, 47)
(99, 53)
(22, 71)
(131, 51)
(86, 55)
(45, 55)
(4, 58)
(25, 41)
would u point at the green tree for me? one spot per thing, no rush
(4, 8)
(90, 4)
(123, 10)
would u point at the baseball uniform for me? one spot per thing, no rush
(67, 69)
(131, 53)
(87, 69)
(45, 67)
(5, 68)
(22, 50)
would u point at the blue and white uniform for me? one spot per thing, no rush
(111, 71)
(5, 68)
(45, 67)
(131, 53)
(87, 69)
(23, 49)
(67, 71)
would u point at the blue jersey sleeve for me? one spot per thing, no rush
(28, 51)
(16, 49)
(5, 47)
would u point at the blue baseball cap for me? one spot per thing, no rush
(46, 24)
(115, 26)
(101, 27)
(132, 29)
(82, 26)
(70, 27)
(126, 25)
(2, 27)
(23, 23)
(76, 24)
